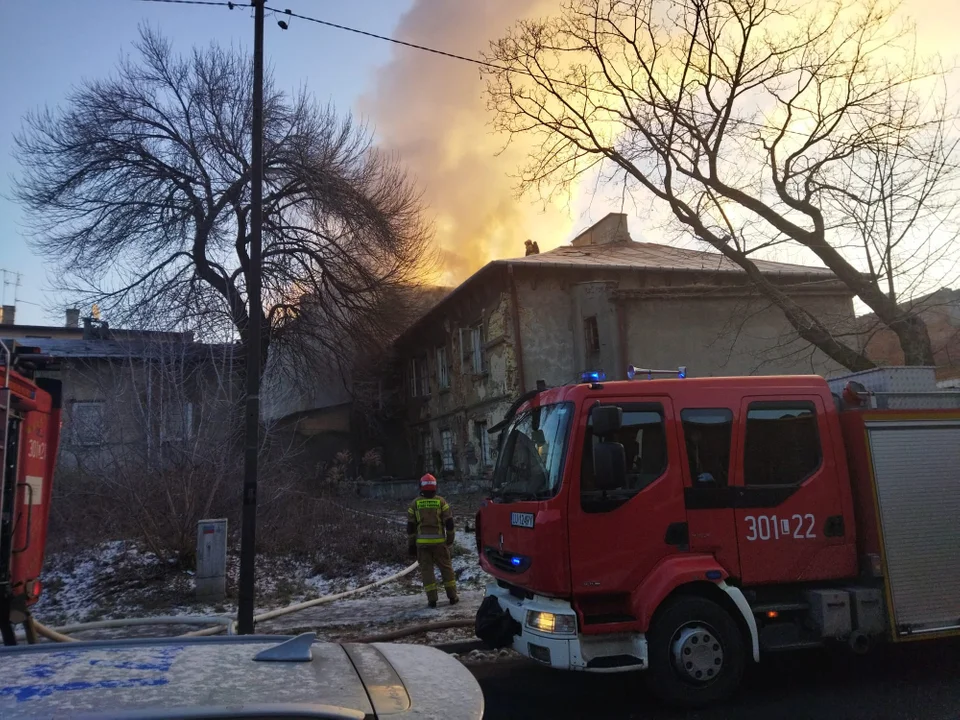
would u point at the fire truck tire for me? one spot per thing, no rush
(696, 652)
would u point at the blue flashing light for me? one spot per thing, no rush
(593, 376)
(682, 372)
(714, 574)
(515, 561)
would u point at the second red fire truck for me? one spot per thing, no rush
(687, 527)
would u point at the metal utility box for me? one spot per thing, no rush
(830, 612)
(212, 559)
(900, 388)
(866, 605)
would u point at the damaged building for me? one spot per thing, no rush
(604, 302)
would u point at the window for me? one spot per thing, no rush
(476, 349)
(446, 445)
(782, 446)
(443, 368)
(419, 377)
(87, 421)
(591, 335)
(644, 440)
(708, 434)
(177, 422)
(483, 443)
(413, 374)
(531, 462)
(426, 447)
(424, 381)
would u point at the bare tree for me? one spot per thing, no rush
(757, 123)
(140, 191)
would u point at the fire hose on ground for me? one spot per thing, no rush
(228, 624)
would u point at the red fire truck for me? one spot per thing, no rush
(688, 526)
(29, 436)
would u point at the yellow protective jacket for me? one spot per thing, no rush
(429, 521)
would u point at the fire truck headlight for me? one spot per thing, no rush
(548, 622)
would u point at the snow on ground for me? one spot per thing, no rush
(118, 579)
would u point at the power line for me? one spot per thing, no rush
(484, 63)
(389, 39)
(230, 5)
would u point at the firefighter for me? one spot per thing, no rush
(532, 248)
(430, 535)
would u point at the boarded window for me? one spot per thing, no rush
(591, 335)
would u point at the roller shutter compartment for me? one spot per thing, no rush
(916, 467)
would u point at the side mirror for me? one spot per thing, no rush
(607, 419)
(609, 466)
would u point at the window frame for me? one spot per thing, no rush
(806, 404)
(443, 368)
(477, 364)
(426, 448)
(75, 426)
(732, 422)
(444, 450)
(186, 426)
(480, 428)
(603, 502)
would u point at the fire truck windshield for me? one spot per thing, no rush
(530, 466)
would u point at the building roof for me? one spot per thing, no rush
(652, 256)
(71, 348)
(614, 253)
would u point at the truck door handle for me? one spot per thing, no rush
(833, 526)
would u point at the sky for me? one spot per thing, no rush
(46, 46)
(413, 101)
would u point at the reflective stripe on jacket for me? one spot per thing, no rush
(428, 516)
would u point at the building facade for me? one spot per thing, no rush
(604, 302)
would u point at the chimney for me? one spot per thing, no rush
(8, 315)
(73, 318)
(610, 229)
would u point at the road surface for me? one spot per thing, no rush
(914, 681)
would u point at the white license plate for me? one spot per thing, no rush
(524, 520)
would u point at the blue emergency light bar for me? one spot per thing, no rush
(632, 372)
(593, 376)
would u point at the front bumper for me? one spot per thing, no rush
(614, 652)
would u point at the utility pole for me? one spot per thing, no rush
(248, 529)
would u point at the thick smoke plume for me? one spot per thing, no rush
(432, 111)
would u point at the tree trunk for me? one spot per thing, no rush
(914, 339)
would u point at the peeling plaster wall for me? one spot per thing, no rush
(471, 397)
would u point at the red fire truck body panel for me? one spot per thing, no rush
(38, 444)
(31, 416)
(759, 535)
(747, 513)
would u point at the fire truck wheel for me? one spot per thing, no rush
(696, 652)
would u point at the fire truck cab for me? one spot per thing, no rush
(687, 526)
(29, 438)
